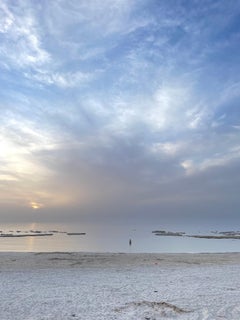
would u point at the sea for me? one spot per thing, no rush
(107, 239)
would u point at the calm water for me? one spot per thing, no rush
(109, 239)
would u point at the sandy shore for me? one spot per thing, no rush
(44, 286)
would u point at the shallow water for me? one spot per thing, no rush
(109, 239)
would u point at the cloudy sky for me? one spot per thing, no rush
(120, 111)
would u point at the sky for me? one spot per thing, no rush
(120, 111)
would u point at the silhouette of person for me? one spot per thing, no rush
(130, 242)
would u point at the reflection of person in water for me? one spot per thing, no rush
(130, 242)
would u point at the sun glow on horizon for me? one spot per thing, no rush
(35, 205)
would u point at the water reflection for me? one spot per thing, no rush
(110, 239)
(31, 240)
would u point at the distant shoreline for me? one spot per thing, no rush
(218, 235)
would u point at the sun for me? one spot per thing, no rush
(35, 205)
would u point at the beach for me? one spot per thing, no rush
(71, 285)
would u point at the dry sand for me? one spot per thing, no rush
(44, 286)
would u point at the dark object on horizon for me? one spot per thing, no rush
(130, 242)
(168, 233)
(237, 237)
(10, 235)
(76, 233)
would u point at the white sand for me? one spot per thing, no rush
(119, 286)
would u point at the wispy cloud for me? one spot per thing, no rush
(63, 80)
(21, 42)
(103, 101)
